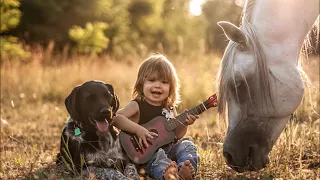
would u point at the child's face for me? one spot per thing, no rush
(155, 90)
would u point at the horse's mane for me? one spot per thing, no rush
(307, 46)
(226, 76)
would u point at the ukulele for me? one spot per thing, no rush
(163, 128)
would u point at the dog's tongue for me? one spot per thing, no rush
(102, 125)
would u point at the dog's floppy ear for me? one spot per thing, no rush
(70, 103)
(115, 102)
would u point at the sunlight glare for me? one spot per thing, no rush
(195, 7)
(240, 2)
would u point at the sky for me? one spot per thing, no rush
(195, 7)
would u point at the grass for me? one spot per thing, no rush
(33, 115)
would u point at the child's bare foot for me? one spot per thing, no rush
(186, 171)
(170, 172)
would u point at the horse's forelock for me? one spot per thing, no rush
(224, 76)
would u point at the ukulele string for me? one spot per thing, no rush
(204, 106)
(197, 109)
(178, 122)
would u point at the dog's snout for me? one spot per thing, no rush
(105, 111)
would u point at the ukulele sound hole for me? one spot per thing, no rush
(154, 131)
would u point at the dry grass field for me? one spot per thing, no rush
(33, 115)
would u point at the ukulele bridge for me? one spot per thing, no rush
(135, 142)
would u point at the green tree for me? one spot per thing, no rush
(50, 20)
(182, 31)
(10, 48)
(166, 23)
(218, 10)
(147, 21)
(44, 21)
(116, 15)
(91, 39)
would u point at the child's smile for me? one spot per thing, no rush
(156, 91)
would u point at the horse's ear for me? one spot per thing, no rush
(232, 32)
(115, 102)
(70, 103)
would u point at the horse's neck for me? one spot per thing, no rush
(284, 23)
(283, 19)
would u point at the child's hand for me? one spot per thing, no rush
(143, 134)
(191, 118)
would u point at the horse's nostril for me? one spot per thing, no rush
(266, 161)
(228, 157)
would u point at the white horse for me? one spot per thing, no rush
(259, 82)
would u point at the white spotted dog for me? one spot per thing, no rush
(89, 142)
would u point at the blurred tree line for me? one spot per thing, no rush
(10, 47)
(118, 27)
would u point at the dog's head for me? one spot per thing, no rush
(93, 105)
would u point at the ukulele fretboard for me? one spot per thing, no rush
(182, 118)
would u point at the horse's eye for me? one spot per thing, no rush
(238, 85)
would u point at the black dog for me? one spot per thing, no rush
(89, 139)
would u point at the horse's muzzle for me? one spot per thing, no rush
(253, 161)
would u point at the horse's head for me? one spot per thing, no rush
(258, 94)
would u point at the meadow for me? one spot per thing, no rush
(33, 115)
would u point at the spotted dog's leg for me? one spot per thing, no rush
(104, 174)
(131, 172)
